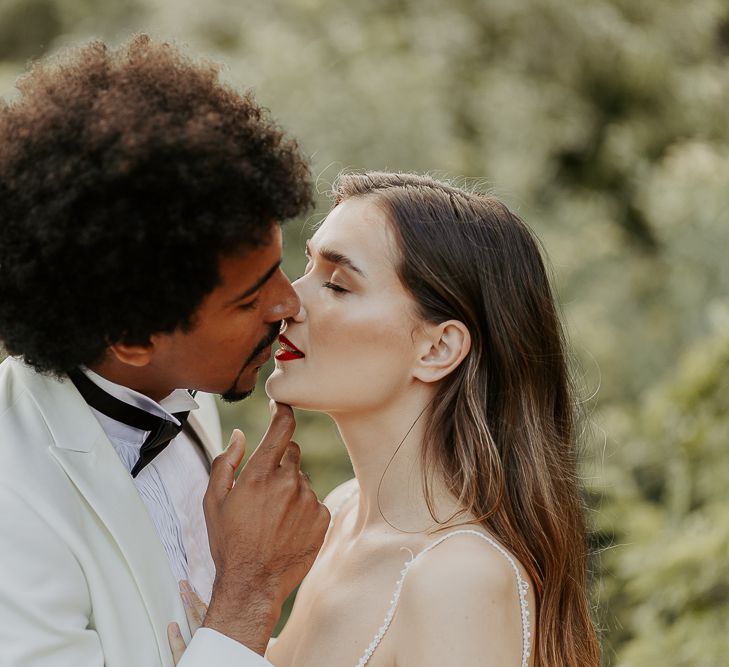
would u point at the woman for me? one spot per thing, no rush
(429, 327)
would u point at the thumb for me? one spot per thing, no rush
(276, 439)
(222, 471)
(236, 446)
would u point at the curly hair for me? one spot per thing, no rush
(125, 175)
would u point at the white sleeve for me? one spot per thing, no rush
(209, 647)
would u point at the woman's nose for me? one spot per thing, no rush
(300, 315)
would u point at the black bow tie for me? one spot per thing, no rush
(161, 430)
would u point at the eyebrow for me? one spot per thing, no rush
(336, 257)
(259, 283)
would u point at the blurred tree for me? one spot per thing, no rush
(666, 579)
(27, 27)
(603, 122)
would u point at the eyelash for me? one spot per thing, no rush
(335, 288)
(249, 306)
(329, 285)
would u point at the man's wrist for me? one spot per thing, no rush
(249, 619)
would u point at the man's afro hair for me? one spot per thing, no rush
(125, 175)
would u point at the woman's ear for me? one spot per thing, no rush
(443, 347)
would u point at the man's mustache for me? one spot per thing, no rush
(268, 340)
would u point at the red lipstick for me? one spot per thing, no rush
(288, 350)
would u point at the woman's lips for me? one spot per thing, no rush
(288, 350)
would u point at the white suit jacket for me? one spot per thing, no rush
(84, 580)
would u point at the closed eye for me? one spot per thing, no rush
(334, 287)
(251, 305)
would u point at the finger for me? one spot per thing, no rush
(276, 439)
(222, 471)
(177, 643)
(195, 608)
(292, 455)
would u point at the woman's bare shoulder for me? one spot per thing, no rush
(461, 602)
(339, 494)
(467, 562)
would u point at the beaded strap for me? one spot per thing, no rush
(522, 585)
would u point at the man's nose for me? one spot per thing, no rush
(287, 304)
(300, 316)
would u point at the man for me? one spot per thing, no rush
(140, 252)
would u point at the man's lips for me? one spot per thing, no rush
(288, 350)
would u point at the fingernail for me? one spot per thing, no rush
(176, 630)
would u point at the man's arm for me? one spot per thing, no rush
(209, 647)
(45, 605)
(265, 531)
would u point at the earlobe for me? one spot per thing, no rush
(445, 346)
(133, 355)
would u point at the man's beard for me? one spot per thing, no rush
(233, 395)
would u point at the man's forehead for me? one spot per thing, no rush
(250, 264)
(274, 238)
(269, 244)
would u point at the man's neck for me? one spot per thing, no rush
(140, 379)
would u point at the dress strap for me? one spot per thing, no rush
(522, 587)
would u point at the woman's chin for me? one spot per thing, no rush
(277, 390)
(281, 391)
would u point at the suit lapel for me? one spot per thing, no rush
(88, 458)
(205, 423)
(210, 447)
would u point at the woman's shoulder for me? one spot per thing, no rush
(461, 598)
(340, 494)
(468, 560)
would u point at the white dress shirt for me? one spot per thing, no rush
(171, 486)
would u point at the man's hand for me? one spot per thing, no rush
(265, 530)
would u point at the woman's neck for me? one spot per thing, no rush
(385, 446)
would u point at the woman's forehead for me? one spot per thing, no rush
(359, 229)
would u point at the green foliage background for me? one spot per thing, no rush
(604, 123)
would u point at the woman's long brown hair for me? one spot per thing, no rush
(501, 432)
